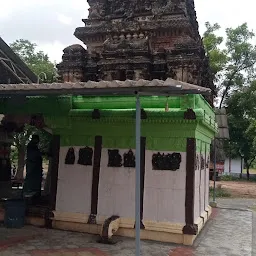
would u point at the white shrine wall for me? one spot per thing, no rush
(164, 191)
(116, 189)
(74, 185)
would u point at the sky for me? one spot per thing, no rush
(51, 23)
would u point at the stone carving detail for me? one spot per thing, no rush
(129, 159)
(114, 158)
(96, 10)
(169, 162)
(85, 156)
(70, 157)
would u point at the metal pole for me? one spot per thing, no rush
(214, 170)
(137, 188)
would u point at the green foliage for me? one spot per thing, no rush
(40, 64)
(232, 60)
(230, 178)
(241, 119)
(220, 192)
(212, 42)
(22, 139)
(37, 61)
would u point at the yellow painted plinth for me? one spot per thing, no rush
(156, 231)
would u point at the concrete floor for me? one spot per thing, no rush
(230, 232)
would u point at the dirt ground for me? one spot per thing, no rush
(238, 189)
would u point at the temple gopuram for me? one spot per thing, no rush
(138, 39)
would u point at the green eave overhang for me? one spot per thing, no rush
(152, 116)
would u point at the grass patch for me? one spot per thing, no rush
(227, 177)
(230, 178)
(252, 171)
(253, 208)
(220, 192)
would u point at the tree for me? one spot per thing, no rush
(242, 123)
(22, 139)
(37, 61)
(232, 60)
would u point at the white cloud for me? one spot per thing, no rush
(51, 23)
(54, 49)
(64, 19)
(228, 13)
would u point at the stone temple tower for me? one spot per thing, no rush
(138, 39)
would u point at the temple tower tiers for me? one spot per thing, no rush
(138, 39)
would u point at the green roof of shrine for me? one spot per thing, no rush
(114, 99)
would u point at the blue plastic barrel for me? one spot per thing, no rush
(14, 213)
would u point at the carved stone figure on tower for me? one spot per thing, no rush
(96, 11)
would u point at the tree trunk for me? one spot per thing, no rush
(47, 184)
(21, 163)
(248, 172)
(241, 172)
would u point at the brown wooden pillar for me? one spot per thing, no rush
(95, 179)
(190, 228)
(53, 172)
(55, 152)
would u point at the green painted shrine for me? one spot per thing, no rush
(71, 117)
(182, 127)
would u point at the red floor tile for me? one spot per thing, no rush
(14, 241)
(182, 251)
(69, 252)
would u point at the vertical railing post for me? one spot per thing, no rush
(137, 186)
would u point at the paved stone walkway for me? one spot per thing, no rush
(237, 203)
(54, 242)
(228, 233)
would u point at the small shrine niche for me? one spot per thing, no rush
(129, 159)
(85, 156)
(114, 158)
(166, 162)
(70, 157)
